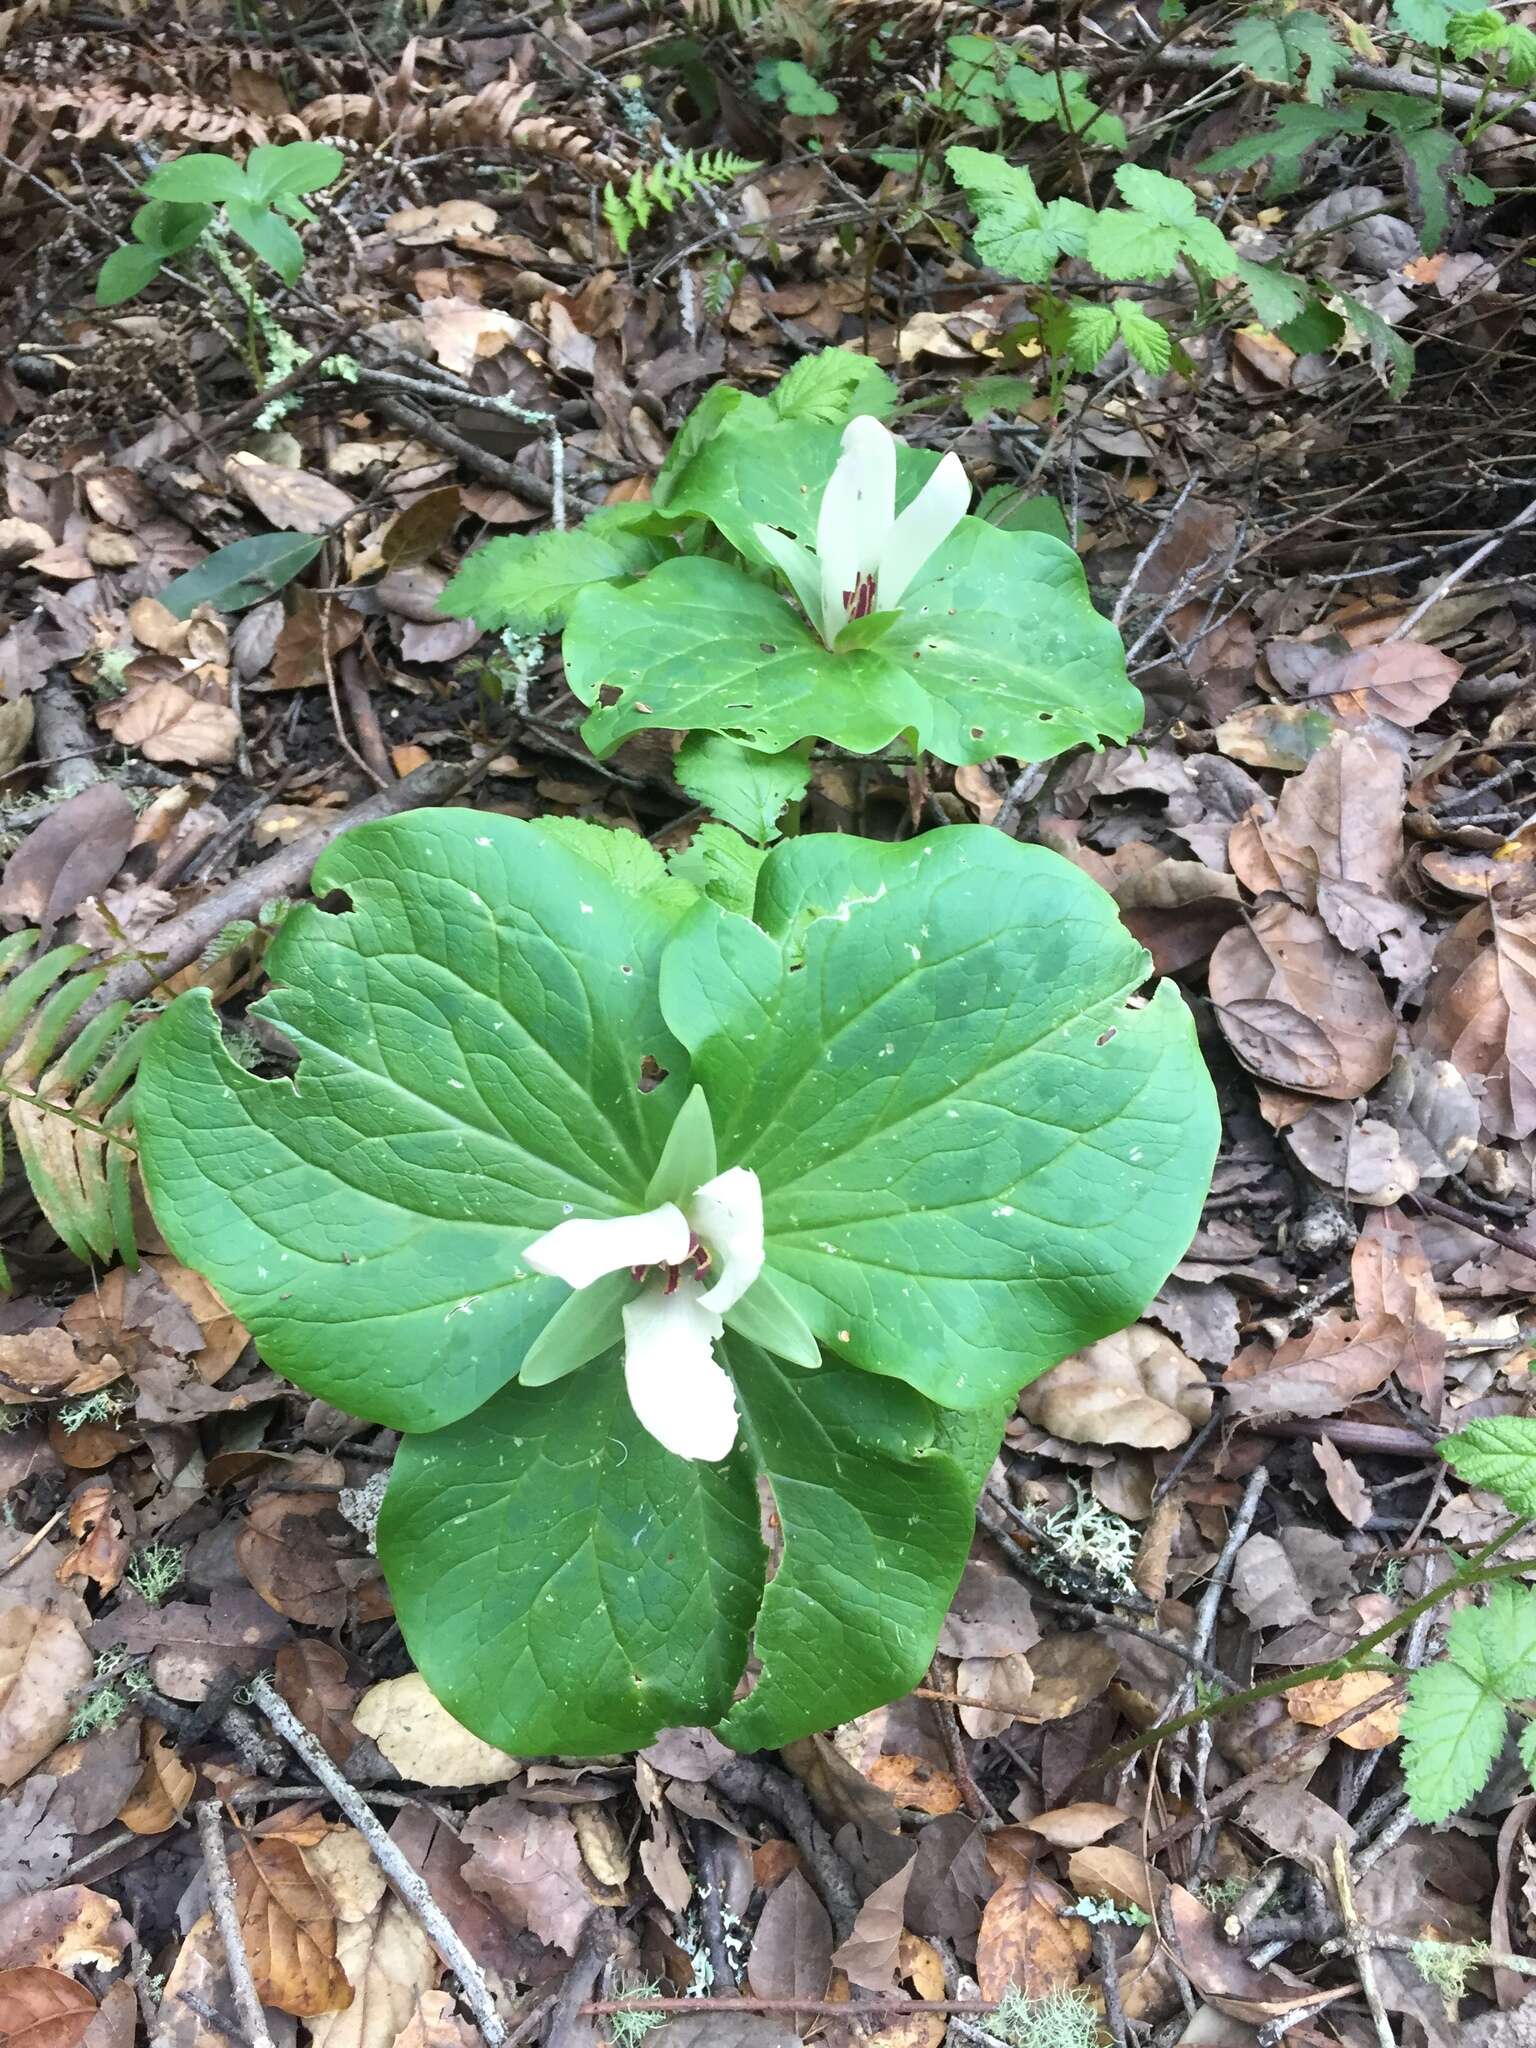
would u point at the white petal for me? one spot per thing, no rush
(923, 529)
(583, 1250)
(798, 565)
(857, 509)
(727, 1213)
(676, 1389)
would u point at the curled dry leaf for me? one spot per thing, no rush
(1297, 1009)
(433, 2023)
(44, 1364)
(101, 1548)
(62, 1930)
(1346, 1489)
(1069, 1670)
(295, 500)
(1319, 1373)
(1480, 1012)
(1119, 1874)
(996, 1690)
(1136, 1387)
(43, 2009)
(1077, 1826)
(870, 1955)
(913, 1781)
(419, 1736)
(167, 723)
(1325, 1699)
(163, 1791)
(44, 1666)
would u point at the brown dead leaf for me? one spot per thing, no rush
(390, 1964)
(1325, 1699)
(291, 1548)
(870, 1955)
(164, 1789)
(190, 1648)
(913, 1781)
(996, 1691)
(167, 723)
(299, 658)
(1070, 1670)
(1077, 1826)
(62, 1929)
(1297, 1009)
(296, 500)
(1283, 736)
(433, 2023)
(101, 1548)
(1123, 1875)
(421, 529)
(419, 1736)
(72, 854)
(1319, 1373)
(1480, 1011)
(791, 1953)
(421, 227)
(1392, 1278)
(1025, 1944)
(46, 1364)
(312, 1678)
(1346, 1489)
(1136, 1387)
(288, 1927)
(44, 1667)
(1231, 1983)
(1401, 680)
(462, 333)
(43, 2009)
(528, 1863)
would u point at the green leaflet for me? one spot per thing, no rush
(997, 650)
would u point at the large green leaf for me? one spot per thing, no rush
(471, 1036)
(529, 581)
(562, 1581)
(877, 1520)
(997, 651)
(976, 1154)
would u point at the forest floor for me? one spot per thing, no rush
(1326, 834)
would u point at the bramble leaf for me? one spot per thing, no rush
(528, 581)
(746, 789)
(1497, 1454)
(1453, 1730)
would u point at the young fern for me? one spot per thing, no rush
(68, 1103)
(668, 185)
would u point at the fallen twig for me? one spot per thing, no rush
(221, 1899)
(410, 1886)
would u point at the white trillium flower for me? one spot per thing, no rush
(867, 557)
(676, 1388)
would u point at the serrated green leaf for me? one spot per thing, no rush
(746, 789)
(1316, 328)
(834, 386)
(721, 865)
(244, 573)
(1453, 1730)
(1427, 21)
(1497, 1643)
(1162, 199)
(1296, 132)
(1285, 48)
(1430, 152)
(1476, 191)
(1013, 231)
(1207, 247)
(1391, 357)
(1124, 246)
(1479, 31)
(1497, 1454)
(997, 650)
(528, 582)
(471, 1037)
(1062, 1162)
(1146, 339)
(1092, 330)
(1276, 297)
(1528, 1748)
(1519, 57)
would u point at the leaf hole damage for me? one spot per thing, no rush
(1105, 1036)
(652, 1074)
(609, 694)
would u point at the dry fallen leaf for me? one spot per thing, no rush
(1077, 1826)
(43, 2009)
(791, 1953)
(870, 1955)
(419, 1736)
(1297, 1009)
(296, 500)
(913, 1781)
(1480, 1013)
(1136, 1387)
(164, 1789)
(69, 856)
(1325, 1699)
(62, 1929)
(1070, 1670)
(288, 1927)
(528, 1863)
(44, 1666)
(1024, 1942)
(167, 723)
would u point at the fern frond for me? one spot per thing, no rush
(67, 1098)
(668, 184)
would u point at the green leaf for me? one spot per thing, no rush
(1519, 58)
(268, 237)
(605, 1588)
(1474, 32)
(242, 574)
(1391, 357)
(275, 170)
(1147, 340)
(631, 863)
(746, 789)
(721, 865)
(1430, 152)
(1093, 330)
(1160, 198)
(1427, 21)
(787, 80)
(201, 177)
(1476, 191)
(1528, 1748)
(126, 272)
(1123, 246)
(1314, 330)
(1497, 1454)
(720, 407)
(1063, 98)
(1296, 132)
(1283, 49)
(1497, 1643)
(1276, 297)
(980, 397)
(1009, 507)
(471, 1036)
(955, 1207)
(1015, 231)
(168, 226)
(1453, 1730)
(876, 1521)
(833, 387)
(529, 581)
(997, 650)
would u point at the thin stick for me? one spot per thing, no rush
(32, 1542)
(1452, 577)
(221, 1898)
(407, 1881)
(1358, 1940)
(821, 2008)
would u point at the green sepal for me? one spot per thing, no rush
(584, 1326)
(688, 1157)
(765, 1316)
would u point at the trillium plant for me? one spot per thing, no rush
(643, 1193)
(799, 574)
